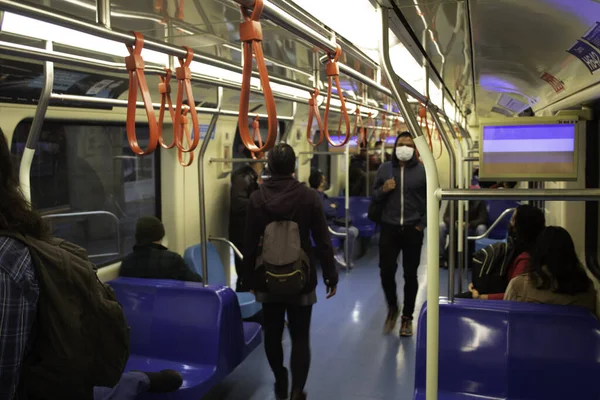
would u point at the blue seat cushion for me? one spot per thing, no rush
(248, 304)
(252, 337)
(197, 379)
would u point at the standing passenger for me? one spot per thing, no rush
(282, 201)
(401, 186)
(29, 366)
(244, 181)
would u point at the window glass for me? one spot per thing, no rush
(90, 187)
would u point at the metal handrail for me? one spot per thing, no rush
(496, 222)
(337, 234)
(228, 242)
(88, 213)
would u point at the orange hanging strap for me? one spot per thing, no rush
(135, 65)
(370, 125)
(184, 129)
(184, 84)
(180, 9)
(251, 35)
(314, 113)
(384, 128)
(359, 130)
(159, 6)
(164, 88)
(333, 72)
(257, 138)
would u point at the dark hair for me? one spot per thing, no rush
(16, 214)
(282, 159)
(315, 178)
(554, 264)
(529, 223)
(403, 134)
(149, 230)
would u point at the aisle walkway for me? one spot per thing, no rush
(351, 359)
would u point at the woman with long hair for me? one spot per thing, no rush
(525, 226)
(554, 275)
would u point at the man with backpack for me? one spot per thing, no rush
(280, 267)
(62, 332)
(399, 205)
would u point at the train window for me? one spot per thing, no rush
(89, 186)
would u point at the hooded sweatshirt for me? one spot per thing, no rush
(406, 204)
(285, 197)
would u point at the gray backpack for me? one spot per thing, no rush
(286, 265)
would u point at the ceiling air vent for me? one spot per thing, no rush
(502, 111)
(514, 105)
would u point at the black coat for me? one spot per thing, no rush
(154, 261)
(285, 196)
(243, 183)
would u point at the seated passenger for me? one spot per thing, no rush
(477, 225)
(29, 367)
(150, 259)
(279, 264)
(555, 275)
(524, 228)
(318, 182)
(244, 181)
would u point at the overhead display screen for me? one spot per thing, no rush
(529, 152)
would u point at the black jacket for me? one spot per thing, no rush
(154, 261)
(285, 196)
(243, 183)
(406, 205)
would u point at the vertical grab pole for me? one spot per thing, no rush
(451, 203)
(461, 205)
(36, 127)
(203, 232)
(103, 13)
(468, 176)
(433, 212)
(347, 206)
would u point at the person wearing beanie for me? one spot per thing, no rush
(150, 259)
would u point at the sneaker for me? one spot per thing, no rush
(390, 321)
(164, 381)
(339, 258)
(406, 327)
(297, 395)
(281, 386)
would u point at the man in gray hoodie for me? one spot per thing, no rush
(401, 186)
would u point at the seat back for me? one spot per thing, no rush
(216, 270)
(182, 321)
(510, 350)
(495, 208)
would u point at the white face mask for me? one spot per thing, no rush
(404, 153)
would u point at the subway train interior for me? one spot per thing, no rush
(501, 97)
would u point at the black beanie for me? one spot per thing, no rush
(149, 230)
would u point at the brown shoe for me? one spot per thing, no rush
(406, 329)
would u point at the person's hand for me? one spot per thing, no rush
(471, 288)
(418, 228)
(333, 205)
(331, 291)
(389, 185)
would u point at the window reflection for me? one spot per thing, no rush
(88, 171)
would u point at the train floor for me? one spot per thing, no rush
(351, 358)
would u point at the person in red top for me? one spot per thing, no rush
(524, 228)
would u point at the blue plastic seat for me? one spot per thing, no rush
(359, 210)
(500, 232)
(216, 275)
(195, 330)
(514, 351)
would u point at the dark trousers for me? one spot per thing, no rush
(299, 326)
(393, 240)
